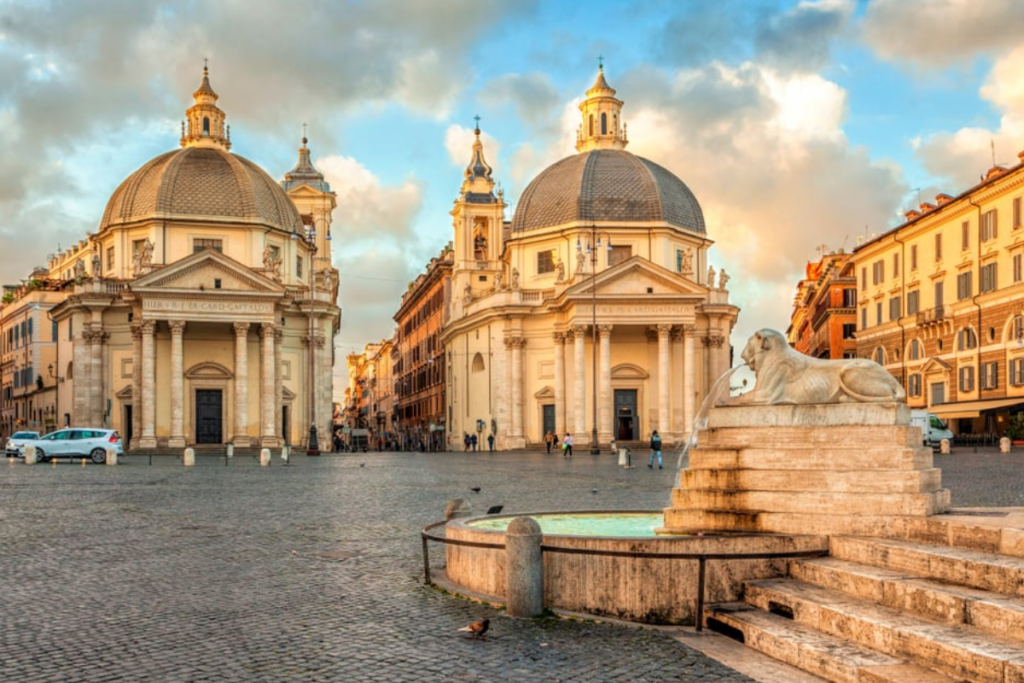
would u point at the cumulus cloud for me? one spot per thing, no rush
(800, 39)
(458, 140)
(938, 33)
(532, 96)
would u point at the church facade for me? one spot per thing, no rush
(594, 310)
(203, 308)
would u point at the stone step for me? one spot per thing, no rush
(820, 502)
(809, 456)
(988, 612)
(958, 651)
(849, 437)
(829, 657)
(961, 566)
(873, 481)
(698, 518)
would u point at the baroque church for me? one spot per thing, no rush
(203, 308)
(594, 311)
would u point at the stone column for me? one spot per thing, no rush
(689, 376)
(96, 379)
(517, 344)
(713, 342)
(559, 382)
(279, 390)
(579, 387)
(82, 365)
(604, 387)
(148, 439)
(241, 436)
(664, 377)
(177, 439)
(268, 439)
(136, 385)
(323, 427)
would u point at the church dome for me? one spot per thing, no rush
(607, 185)
(202, 183)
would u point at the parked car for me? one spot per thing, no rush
(16, 444)
(77, 443)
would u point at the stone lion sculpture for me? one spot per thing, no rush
(785, 376)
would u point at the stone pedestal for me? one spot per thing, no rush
(849, 468)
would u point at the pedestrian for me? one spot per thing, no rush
(655, 450)
(465, 440)
(472, 440)
(490, 442)
(554, 441)
(548, 440)
(567, 446)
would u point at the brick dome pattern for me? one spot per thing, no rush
(607, 185)
(201, 183)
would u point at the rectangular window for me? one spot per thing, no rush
(895, 308)
(545, 261)
(849, 298)
(938, 246)
(1017, 372)
(913, 302)
(878, 313)
(1016, 212)
(990, 375)
(849, 331)
(965, 235)
(989, 225)
(1018, 267)
(914, 384)
(199, 244)
(967, 378)
(110, 258)
(864, 318)
(878, 272)
(895, 265)
(298, 266)
(679, 260)
(988, 277)
(864, 277)
(913, 257)
(940, 291)
(963, 285)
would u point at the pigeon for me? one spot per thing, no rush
(362, 464)
(475, 489)
(478, 629)
(593, 490)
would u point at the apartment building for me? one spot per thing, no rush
(824, 319)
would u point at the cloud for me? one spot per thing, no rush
(800, 39)
(459, 143)
(533, 96)
(938, 33)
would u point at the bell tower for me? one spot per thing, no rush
(601, 127)
(478, 220)
(205, 121)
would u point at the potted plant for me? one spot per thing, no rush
(1016, 429)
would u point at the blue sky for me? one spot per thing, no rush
(796, 124)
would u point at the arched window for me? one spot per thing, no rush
(591, 125)
(880, 355)
(914, 384)
(478, 363)
(966, 339)
(1017, 328)
(604, 124)
(916, 350)
(206, 125)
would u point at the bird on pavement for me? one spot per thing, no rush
(475, 489)
(478, 629)
(362, 464)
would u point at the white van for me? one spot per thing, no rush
(933, 429)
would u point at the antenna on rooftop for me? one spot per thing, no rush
(992, 145)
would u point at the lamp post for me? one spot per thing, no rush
(595, 243)
(313, 445)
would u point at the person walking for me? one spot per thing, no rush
(473, 441)
(549, 438)
(655, 450)
(490, 442)
(567, 446)
(465, 440)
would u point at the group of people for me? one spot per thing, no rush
(470, 442)
(551, 441)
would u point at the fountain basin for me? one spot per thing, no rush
(649, 590)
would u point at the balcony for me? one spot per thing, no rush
(933, 315)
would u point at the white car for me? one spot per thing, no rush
(16, 444)
(77, 443)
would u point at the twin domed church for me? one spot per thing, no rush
(203, 308)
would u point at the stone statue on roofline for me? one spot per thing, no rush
(515, 278)
(784, 376)
(723, 280)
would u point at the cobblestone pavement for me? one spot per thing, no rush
(313, 572)
(310, 572)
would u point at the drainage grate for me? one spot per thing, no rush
(725, 629)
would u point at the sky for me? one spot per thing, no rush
(797, 125)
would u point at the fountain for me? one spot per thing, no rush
(767, 475)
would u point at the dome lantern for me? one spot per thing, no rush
(601, 127)
(205, 121)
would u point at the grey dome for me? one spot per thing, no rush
(607, 185)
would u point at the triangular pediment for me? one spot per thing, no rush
(546, 392)
(936, 365)
(634, 277)
(125, 394)
(287, 394)
(202, 270)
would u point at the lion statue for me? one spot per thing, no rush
(785, 376)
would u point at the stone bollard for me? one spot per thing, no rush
(457, 508)
(111, 455)
(189, 457)
(944, 447)
(264, 457)
(30, 455)
(231, 450)
(286, 454)
(1004, 444)
(524, 569)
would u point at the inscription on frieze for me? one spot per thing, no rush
(200, 306)
(624, 309)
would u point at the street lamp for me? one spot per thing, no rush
(593, 245)
(309, 237)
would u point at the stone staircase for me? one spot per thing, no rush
(918, 609)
